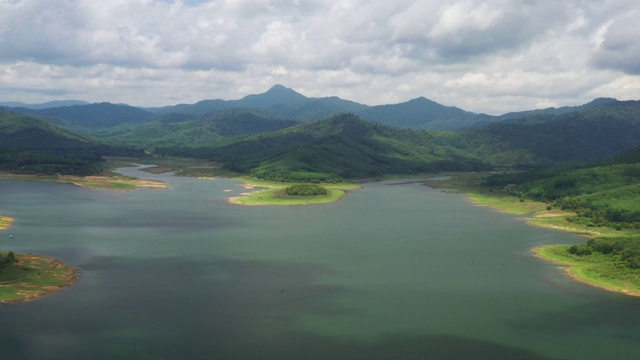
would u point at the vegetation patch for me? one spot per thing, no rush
(306, 190)
(26, 276)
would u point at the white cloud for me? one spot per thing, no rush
(482, 55)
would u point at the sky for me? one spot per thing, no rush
(491, 56)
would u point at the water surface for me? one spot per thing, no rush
(389, 272)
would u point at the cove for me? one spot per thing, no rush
(388, 272)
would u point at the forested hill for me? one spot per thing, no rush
(343, 146)
(574, 138)
(195, 130)
(29, 144)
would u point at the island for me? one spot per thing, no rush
(280, 193)
(25, 277)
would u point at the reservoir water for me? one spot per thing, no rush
(389, 272)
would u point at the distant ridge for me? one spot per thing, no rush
(46, 105)
(415, 114)
(99, 115)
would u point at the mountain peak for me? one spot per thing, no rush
(276, 95)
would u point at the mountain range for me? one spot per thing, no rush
(280, 101)
(281, 134)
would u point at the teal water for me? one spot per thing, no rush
(389, 272)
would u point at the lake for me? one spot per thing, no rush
(390, 272)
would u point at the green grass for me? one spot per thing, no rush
(32, 277)
(275, 194)
(603, 271)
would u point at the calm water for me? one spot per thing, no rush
(390, 272)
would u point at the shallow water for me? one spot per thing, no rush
(389, 272)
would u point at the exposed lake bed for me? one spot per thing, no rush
(403, 272)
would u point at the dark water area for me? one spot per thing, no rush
(389, 272)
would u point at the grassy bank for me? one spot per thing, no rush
(274, 193)
(602, 271)
(33, 276)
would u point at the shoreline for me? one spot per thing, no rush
(57, 276)
(568, 266)
(93, 182)
(549, 219)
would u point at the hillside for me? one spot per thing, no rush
(592, 135)
(343, 146)
(28, 144)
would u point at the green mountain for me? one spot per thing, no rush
(581, 137)
(276, 95)
(278, 100)
(32, 145)
(343, 146)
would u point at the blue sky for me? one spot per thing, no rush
(490, 56)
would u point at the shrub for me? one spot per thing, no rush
(306, 190)
(580, 250)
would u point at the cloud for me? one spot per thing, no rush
(617, 45)
(482, 54)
